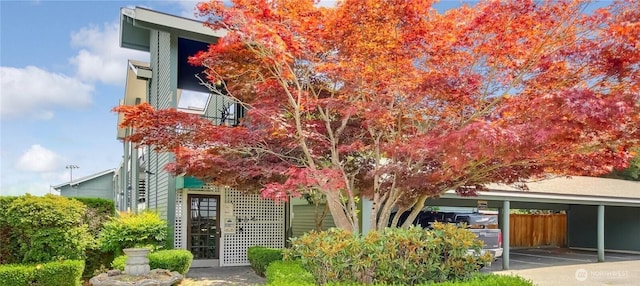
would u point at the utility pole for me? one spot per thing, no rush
(71, 167)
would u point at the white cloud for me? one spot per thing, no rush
(100, 57)
(34, 92)
(39, 159)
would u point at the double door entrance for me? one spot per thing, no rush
(203, 231)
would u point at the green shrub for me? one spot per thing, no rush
(260, 257)
(119, 262)
(57, 273)
(475, 280)
(145, 229)
(16, 274)
(329, 255)
(288, 273)
(48, 228)
(174, 260)
(98, 211)
(96, 260)
(413, 255)
(490, 279)
(9, 247)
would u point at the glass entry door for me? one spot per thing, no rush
(203, 236)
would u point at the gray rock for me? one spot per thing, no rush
(156, 277)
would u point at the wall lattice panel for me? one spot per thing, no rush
(178, 227)
(258, 222)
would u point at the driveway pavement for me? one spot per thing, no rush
(527, 258)
(605, 273)
(558, 266)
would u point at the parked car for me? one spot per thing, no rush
(484, 226)
(492, 239)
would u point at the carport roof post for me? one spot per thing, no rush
(601, 233)
(506, 211)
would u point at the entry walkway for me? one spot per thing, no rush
(237, 275)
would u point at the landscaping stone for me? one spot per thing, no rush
(156, 277)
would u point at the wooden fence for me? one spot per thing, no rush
(533, 230)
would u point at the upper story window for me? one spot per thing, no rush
(193, 101)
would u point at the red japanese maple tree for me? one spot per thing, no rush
(395, 102)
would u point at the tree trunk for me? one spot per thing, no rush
(396, 218)
(339, 213)
(320, 216)
(417, 207)
(375, 209)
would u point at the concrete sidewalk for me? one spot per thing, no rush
(237, 275)
(605, 273)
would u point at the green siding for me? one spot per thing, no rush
(216, 104)
(304, 219)
(162, 93)
(621, 227)
(100, 187)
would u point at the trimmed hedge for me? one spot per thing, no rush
(491, 279)
(288, 273)
(64, 273)
(260, 257)
(174, 260)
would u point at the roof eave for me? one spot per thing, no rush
(526, 196)
(84, 179)
(136, 23)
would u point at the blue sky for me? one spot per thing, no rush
(61, 73)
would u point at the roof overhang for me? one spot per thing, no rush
(525, 196)
(84, 179)
(575, 190)
(137, 23)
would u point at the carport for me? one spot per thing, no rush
(602, 214)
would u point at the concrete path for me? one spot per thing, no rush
(606, 273)
(238, 275)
